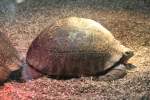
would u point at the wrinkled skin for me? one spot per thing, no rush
(9, 59)
(75, 47)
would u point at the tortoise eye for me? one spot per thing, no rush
(129, 53)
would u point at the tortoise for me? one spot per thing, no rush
(10, 63)
(76, 47)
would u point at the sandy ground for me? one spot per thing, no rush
(129, 22)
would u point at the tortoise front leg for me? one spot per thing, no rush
(116, 73)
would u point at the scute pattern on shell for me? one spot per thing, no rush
(74, 47)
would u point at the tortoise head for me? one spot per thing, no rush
(127, 54)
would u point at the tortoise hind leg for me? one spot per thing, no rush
(116, 73)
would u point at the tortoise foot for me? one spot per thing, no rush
(116, 73)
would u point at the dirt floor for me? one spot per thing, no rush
(129, 21)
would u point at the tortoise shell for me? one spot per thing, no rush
(9, 58)
(74, 47)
